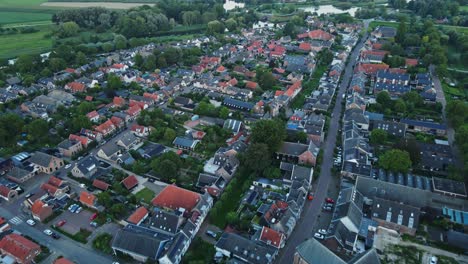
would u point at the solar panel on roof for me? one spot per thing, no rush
(458, 217)
(428, 183)
(391, 177)
(419, 183)
(410, 180)
(401, 181)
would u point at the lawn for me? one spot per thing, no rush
(12, 46)
(374, 24)
(7, 17)
(145, 195)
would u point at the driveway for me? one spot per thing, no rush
(311, 212)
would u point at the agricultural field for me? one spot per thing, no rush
(12, 46)
(7, 17)
(91, 4)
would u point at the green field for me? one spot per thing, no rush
(7, 17)
(374, 24)
(464, 8)
(21, 3)
(12, 46)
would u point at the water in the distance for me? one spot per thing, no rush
(229, 5)
(329, 9)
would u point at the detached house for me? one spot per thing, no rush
(88, 199)
(40, 210)
(93, 116)
(75, 87)
(298, 153)
(46, 163)
(70, 148)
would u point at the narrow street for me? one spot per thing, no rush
(64, 246)
(304, 227)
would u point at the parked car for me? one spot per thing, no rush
(434, 260)
(78, 210)
(329, 200)
(322, 231)
(73, 208)
(67, 166)
(31, 222)
(55, 236)
(93, 224)
(211, 233)
(61, 222)
(48, 232)
(327, 208)
(319, 236)
(93, 216)
(310, 197)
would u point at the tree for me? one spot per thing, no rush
(457, 112)
(301, 136)
(232, 218)
(384, 99)
(138, 60)
(410, 146)
(190, 17)
(107, 47)
(57, 64)
(167, 169)
(269, 132)
(68, 29)
(105, 199)
(214, 27)
(257, 157)
(399, 106)
(401, 31)
(117, 210)
(38, 130)
(289, 30)
(266, 80)
(223, 112)
(120, 42)
(80, 122)
(81, 58)
(85, 107)
(231, 24)
(169, 135)
(378, 136)
(114, 82)
(395, 160)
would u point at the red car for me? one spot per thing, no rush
(93, 217)
(329, 200)
(310, 196)
(61, 222)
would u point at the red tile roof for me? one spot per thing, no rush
(221, 68)
(118, 101)
(62, 261)
(316, 34)
(4, 191)
(271, 237)
(251, 85)
(134, 110)
(20, 247)
(41, 210)
(305, 46)
(175, 197)
(117, 121)
(76, 87)
(49, 188)
(70, 70)
(89, 98)
(101, 185)
(87, 199)
(151, 96)
(130, 182)
(138, 215)
(92, 114)
(411, 62)
(105, 127)
(371, 68)
(84, 140)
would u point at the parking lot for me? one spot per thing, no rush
(75, 222)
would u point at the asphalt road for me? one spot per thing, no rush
(304, 227)
(63, 246)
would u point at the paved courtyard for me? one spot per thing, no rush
(75, 222)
